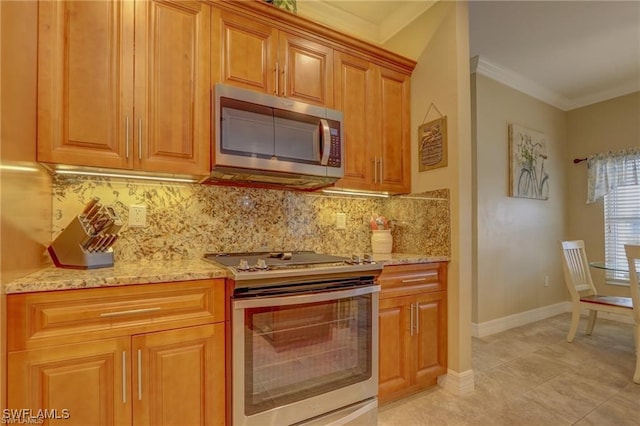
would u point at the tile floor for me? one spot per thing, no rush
(530, 375)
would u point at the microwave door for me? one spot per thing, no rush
(297, 137)
(247, 129)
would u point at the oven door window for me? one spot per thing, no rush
(295, 352)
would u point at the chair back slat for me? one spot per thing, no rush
(633, 258)
(576, 269)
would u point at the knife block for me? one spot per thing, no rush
(67, 249)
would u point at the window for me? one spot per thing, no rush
(621, 226)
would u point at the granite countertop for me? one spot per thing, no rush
(122, 273)
(146, 272)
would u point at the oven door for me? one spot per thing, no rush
(299, 356)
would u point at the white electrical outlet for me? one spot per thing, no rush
(546, 280)
(138, 215)
(341, 220)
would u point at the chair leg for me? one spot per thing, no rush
(593, 314)
(636, 375)
(575, 319)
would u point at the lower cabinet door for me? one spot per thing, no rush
(431, 342)
(179, 377)
(77, 384)
(395, 346)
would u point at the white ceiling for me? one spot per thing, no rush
(566, 53)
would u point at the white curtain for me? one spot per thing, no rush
(610, 170)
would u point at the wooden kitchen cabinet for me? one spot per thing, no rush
(412, 328)
(256, 55)
(90, 380)
(376, 104)
(143, 355)
(125, 85)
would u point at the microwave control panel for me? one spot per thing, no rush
(335, 157)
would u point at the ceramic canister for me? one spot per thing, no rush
(381, 241)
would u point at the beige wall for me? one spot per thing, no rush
(439, 41)
(609, 125)
(516, 239)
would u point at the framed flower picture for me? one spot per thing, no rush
(528, 174)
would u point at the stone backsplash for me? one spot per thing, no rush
(185, 221)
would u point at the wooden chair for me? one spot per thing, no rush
(583, 292)
(633, 257)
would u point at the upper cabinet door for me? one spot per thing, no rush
(354, 97)
(85, 82)
(172, 86)
(244, 52)
(394, 167)
(306, 70)
(257, 56)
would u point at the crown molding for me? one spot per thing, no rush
(605, 95)
(336, 18)
(327, 14)
(516, 81)
(401, 18)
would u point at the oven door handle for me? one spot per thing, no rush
(295, 299)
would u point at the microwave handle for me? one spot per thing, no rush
(326, 141)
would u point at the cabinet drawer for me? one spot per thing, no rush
(397, 280)
(42, 319)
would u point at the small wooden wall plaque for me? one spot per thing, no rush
(432, 150)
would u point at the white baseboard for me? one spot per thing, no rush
(457, 383)
(516, 320)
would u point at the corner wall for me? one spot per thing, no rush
(516, 243)
(605, 126)
(439, 41)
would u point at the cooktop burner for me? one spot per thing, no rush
(293, 263)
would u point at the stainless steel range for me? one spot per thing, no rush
(304, 338)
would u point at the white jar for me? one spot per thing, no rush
(381, 241)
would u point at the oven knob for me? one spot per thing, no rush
(261, 264)
(243, 265)
(368, 258)
(356, 259)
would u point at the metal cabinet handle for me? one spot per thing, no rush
(411, 322)
(126, 125)
(413, 280)
(417, 317)
(284, 81)
(140, 139)
(139, 374)
(124, 377)
(375, 169)
(129, 312)
(276, 77)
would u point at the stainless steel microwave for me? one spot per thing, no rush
(270, 141)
